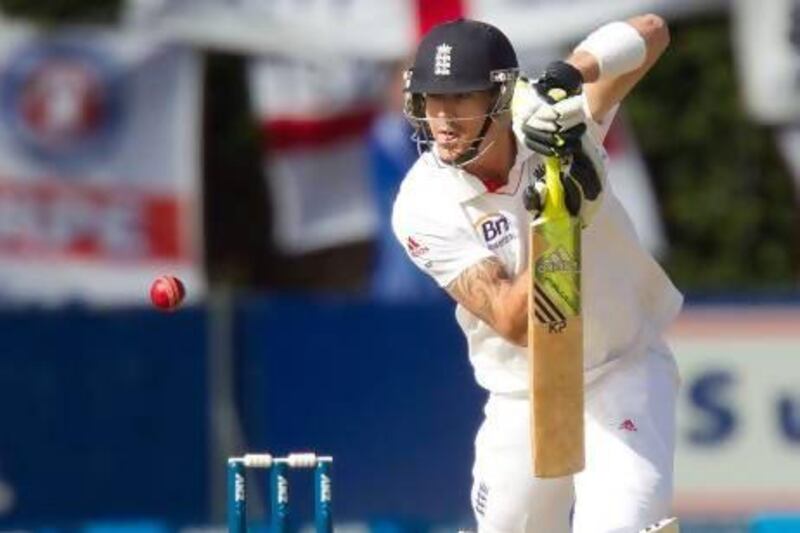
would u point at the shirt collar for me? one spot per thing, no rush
(464, 186)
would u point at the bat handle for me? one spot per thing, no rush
(554, 203)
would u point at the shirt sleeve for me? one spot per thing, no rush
(598, 130)
(440, 249)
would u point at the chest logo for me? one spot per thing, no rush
(496, 230)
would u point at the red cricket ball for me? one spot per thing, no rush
(167, 293)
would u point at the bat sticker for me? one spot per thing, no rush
(547, 312)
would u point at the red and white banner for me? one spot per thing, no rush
(315, 119)
(99, 188)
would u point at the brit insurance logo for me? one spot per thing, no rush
(62, 101)
(496, 230)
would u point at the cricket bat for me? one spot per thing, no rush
(555, 335)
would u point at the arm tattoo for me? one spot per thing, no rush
(478, 286)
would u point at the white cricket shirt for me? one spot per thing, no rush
(448, 221)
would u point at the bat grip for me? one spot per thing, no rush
(554, 203)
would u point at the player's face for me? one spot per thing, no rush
(455, 120)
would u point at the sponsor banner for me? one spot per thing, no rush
(54, 221)
(98, 166)
(739, 411)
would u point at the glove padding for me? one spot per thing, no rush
(583, 178)
(548, 118)
(558, 144)
(551, 129)
(550, 115)
(559, 75)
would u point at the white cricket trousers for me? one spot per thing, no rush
(630, 441)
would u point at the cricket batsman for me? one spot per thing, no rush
(462, 214)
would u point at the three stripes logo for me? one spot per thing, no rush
(559, 260)
(547, 312)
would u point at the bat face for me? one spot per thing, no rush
(555, 336)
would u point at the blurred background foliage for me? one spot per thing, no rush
(726, 196)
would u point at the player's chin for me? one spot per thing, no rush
(449, 153)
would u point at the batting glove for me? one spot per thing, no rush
(549, 112)
(566, 80)
(583, 177)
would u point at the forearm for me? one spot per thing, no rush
(513, 309)
(586, 64)
(609, 79)
(491, 294)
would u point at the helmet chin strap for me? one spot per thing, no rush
(472, 153)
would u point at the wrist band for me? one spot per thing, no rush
(618, 48)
